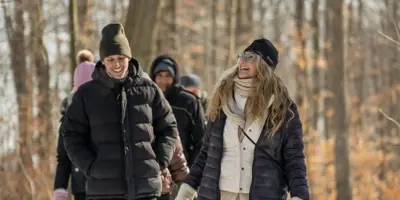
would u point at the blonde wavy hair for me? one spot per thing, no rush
(267, 84)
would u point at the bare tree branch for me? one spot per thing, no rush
(389, 38)
(394, 23)
(389, 118)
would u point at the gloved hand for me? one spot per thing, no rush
(60, 194)
(186, 192)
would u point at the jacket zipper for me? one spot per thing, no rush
(127, 143)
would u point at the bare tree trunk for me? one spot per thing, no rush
(360, 71)
(46, 139)
(301, 75)
(262, 10)
(42, 70)
(328, 80)
(166, 41)
(23, 86)
(276, 23)
(351, 63)
(232, 33)
(316, 74)
(301, 63)
(87, 27)
(386, 84)
(248, 15)
(339, 126)
(214, 42)
(316, 106)
(73, 37)
(394, 85)
(244, 24)
(210, 41)
(379, 88)
(141, 29)
(231, 15)
(207, 73)
(394, 66)
(58, 62)
(329, 60)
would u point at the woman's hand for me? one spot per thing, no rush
(295, 198)
(186, 192)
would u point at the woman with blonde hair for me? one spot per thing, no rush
(253, 147)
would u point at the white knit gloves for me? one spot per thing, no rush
(186, 192)
(295, 198)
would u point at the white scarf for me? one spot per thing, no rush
(240, 117)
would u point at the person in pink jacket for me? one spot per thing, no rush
(65, 169)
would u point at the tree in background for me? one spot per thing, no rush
(339, 59)
(141, 27)
(23, 79)
(339, 117)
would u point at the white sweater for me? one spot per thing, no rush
(237, 160)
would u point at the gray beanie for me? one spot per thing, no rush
(191, 80)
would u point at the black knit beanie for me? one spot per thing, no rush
(114, 42)
(266, 50)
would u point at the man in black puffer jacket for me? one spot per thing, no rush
(185, 105)
(119, 129)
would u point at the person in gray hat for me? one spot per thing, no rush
(119, 129)
(187, 108)
(193, 84)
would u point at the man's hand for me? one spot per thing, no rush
(166, 181)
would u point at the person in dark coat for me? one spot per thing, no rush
(186, 106)
(119, 129)
(192, 83)
(253, 147)
(65, 169)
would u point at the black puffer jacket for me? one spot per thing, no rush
(278, 164)
(187, 111)
(120, 134)
(65, 169)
